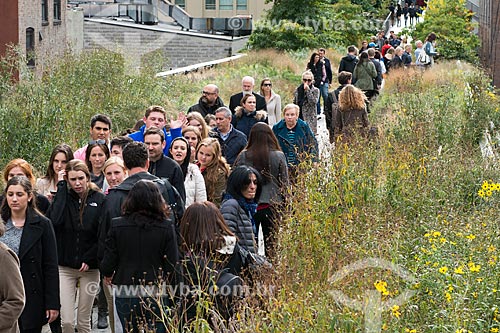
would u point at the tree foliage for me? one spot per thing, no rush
(451, 22)
(297, 24)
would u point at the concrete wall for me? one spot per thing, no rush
(74, 29)
(181, 48)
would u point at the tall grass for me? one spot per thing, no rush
(408, 196)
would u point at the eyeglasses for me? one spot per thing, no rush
(307, 80)
(207, 93)
(267, 85)
(99, 142)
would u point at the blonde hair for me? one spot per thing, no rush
(199, 118)
(218, 161)
(351, 98)
(114, 160)
(308, 73)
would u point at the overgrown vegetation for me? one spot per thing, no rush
(410, 197)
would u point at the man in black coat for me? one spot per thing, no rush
(160, 165)
(209, 101)
(247, 85)
(348, 62)
(135, 158)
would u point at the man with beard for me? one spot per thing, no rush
(209, 101)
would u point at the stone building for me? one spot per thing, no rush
(223, 8)
(37, 26)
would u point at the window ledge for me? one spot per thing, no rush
(45, 23)
(57, 22)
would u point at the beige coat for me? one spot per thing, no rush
(11, 290)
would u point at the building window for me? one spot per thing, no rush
(226, 5)
(241, 4)
(30, 47)
(181, 3)
(209, 4)
(45, 12)
(57, 10)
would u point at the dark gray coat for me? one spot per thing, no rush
(240, 223)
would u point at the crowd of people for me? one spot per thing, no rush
(170, 200)
(161, 202)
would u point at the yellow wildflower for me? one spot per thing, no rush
(410, 330)
(481, 193)
(395, 311)
(471, 237)
(474, 268)
(442, 240)
(459, 270)
(448, 297)
(443, 270)
(494, 330)
(485, 185)
(489, 193)
(381, 286)
(491, 248)
(436, 234)
(479, 280)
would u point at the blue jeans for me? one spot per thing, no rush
(323, 92)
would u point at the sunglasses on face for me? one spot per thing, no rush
(307, 80)
(267, 85)
(99, 142)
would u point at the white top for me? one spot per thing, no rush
(274, 109)
(194, 185)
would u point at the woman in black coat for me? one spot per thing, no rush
(75, 213)
(31, 236)
(141, 248)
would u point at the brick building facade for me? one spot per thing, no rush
(36, 26)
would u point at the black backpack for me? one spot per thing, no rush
(172, 198)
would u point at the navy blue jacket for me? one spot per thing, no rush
(234, 144)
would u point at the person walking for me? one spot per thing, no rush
(306, 96)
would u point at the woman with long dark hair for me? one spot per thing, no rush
(141, 250)
(95, 157)
(318, 69)
(210, 256)
(180, 151)
(243, 190)
(75, 214)
(31, 237)
(263, 153)
(60, 156)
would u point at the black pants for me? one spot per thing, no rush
(267, 218)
